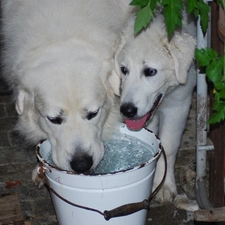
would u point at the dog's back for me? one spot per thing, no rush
(28, 25)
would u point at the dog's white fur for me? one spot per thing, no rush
(58, 57)
(172, 59)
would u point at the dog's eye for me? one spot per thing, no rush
(124, 70)
(149, 72)
(91, 115)
(55, 120)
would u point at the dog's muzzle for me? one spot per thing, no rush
(130, 111)
(81, 163)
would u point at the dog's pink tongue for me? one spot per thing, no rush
(136, 124)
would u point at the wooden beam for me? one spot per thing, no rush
(207, 215)
(217, 131)
(10, 211)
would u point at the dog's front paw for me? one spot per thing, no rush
(166, 194)
(37, 178)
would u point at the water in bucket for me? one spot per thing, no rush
(121, 153)
(109, 189)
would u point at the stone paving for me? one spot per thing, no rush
(17, 160)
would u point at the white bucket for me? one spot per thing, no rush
(101, 192)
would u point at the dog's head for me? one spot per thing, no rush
(149, 66)
(67, 100)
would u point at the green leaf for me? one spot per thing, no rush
(144, 17)
(217, 117)
(140, 3)
(218, 105)
(172, 13)
(204, 56)
(153, 4)
(203, 11)
(199, 8)
(223, 60)
(222, 95)
(191, 6)
(219, 100)
(214, 70)
(219, 85)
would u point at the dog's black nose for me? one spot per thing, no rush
(81, 163)
(128, 110)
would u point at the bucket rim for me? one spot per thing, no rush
(50, 167)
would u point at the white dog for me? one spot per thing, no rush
(58, 58)
(154, 80)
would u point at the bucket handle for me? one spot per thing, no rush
(135, 207)
(123, 210)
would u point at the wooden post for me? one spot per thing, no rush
(217, 131)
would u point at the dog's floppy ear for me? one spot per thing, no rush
(114, 81)
(115, 76)
(23, 102)
(182, 47)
